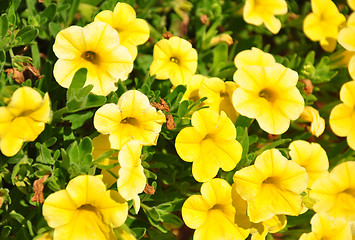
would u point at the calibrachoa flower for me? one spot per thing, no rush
(268, 94)
(272, 184)
(257, 12)
(351, 4)
(131, 30)
(219, 95)
(342, 115)
(23, 119)
(132, 118)
(335, 193)
(95, 47)
(311, 115)
(174, 59)
(312, 157)
(85, 210)
(210, 144)
(212, 213)
(101, 144)
(346, 39)
(257, 230)
(323, 23)
(131, 179)
(326, 227)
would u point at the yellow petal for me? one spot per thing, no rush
(195, 211)
(25, 100)
(107, 118)
(69, 43)
(346, 38)
(346, 93)
(59, 209)
(113, 208)
(254, 56)
(86, 189)
(10, 145)
(340, 120)
(188, 144)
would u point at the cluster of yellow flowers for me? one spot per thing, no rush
(261, 195)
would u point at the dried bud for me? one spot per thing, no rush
(204, 20)
(167, 35)
(161, 106)
(38, 189)
(170, 124)
(16, 75)
(308, 88)
(149, 189)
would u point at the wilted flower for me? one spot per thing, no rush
(326, 227)
(258, 12)
(212, 213)
(101, 144)
(131, 179)
(268, 94)
(335, 193)
(131, 30)
(342, 115)
(272, 184)
(85, 210)
(95, 47)
(323, 23)
(23, 119)
(311, 115)
(174, 59)
(312, 157)
(210, 144)
(132, 118)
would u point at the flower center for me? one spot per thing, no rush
(350, 191)
(131, 121)
(194, 96)
(270, 180)
(218, 207)
(87, 207)
(174, 60)
(91, 57)
(268, 94)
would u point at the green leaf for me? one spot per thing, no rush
(272, 145)
(4, 25)
(220, 58)
(183, 107)
(139, 232)
(48, 14)
(78, 119)
(77, 83)
(243, 121)
(26, 35)
(44, 155)
(54, 28)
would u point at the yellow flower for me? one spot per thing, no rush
(342, 116)
(323, 23)
(312, 157)
(131, 30)
(193, 87)
(23, 119)
(85, 210)
(95, 47)
(210, 144)
(101, 144)
(131, 179)
(212, 213)
(174, 59)
(335, 193)
(257, 230)
(268, 94)
(347, 40)
(326, 227)
(257, 12)
(272, 184)
(131, 118)
(311, 115)
(255, 56)
(219, 95)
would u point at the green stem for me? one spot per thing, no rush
(59, 113)
(72, 12)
